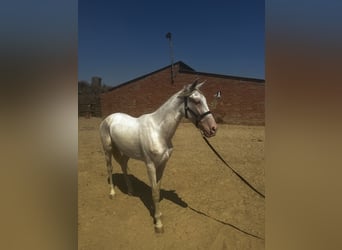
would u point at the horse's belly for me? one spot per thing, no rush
(128, 147)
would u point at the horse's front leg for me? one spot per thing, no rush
(154, 174)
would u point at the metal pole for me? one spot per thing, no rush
(169, 37)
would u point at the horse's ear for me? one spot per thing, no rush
(189, 88)
(193, 85)
(186, 91)
(198, 85)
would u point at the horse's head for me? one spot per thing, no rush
(196, 109)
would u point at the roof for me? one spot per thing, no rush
(184, 68)
(224, 76)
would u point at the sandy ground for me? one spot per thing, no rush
(204, 205)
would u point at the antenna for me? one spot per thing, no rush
(169, 37)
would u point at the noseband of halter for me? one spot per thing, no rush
(197, 117)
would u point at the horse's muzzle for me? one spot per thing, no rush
(209, 131)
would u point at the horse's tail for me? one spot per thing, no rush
(105, 135)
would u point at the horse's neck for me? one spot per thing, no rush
(169, 115)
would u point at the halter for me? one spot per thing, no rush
(197, 117)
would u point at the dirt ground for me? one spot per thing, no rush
(204, 205)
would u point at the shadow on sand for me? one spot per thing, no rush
(144, 193)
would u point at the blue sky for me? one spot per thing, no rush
(121, 40)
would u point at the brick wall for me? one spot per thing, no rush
(242, 100)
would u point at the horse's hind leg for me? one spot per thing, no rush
(110, 171)
(123, 160)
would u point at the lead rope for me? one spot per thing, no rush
(225, 223)
(236, 173)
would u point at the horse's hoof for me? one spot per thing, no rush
(159, 230)
(111, 196)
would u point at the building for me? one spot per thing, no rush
(233, 100)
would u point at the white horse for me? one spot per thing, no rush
(148, 137)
